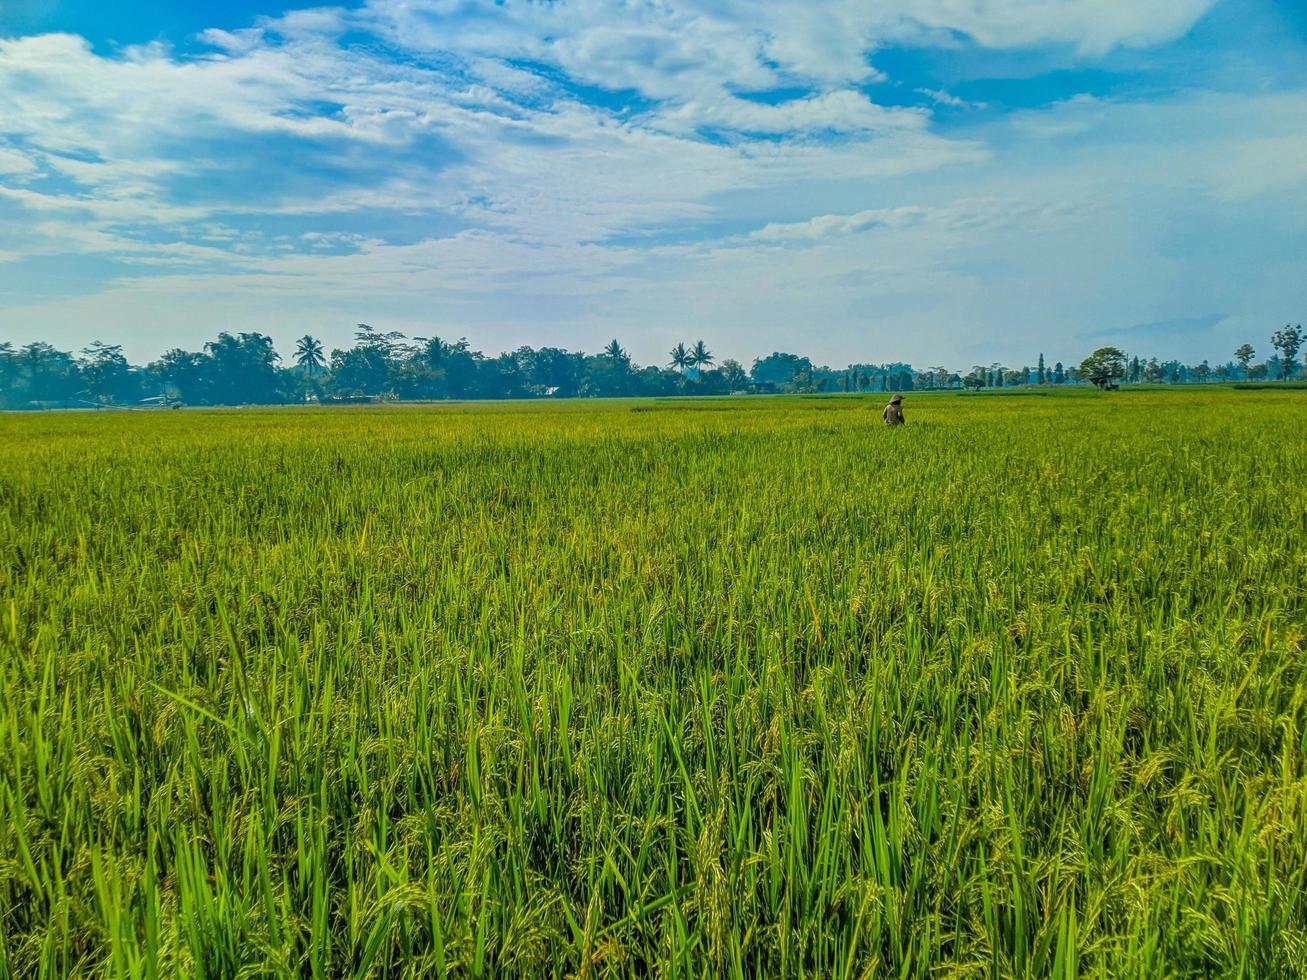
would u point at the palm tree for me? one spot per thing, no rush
(700, 356)
(615, 354)
(308, 354)
(680, 358)
(434, 350)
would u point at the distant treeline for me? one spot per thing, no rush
(245, 368)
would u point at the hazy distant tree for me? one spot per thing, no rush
(1014, 377)
(733, 374)
(1221, 372)
(420, 371)
(392, 344)
(433, 351)
(1244, 355)
(359, 370)
(181, 375)
(999, 372)
(105, 372)
(1103, 366)
(244, 369)
(8, 376)
(1258, 371)
(1288, 342)
(1133, 372)
(1042, 375)
(680, 358)
(700, 356)
(618, 356)
(1202, 372)
(1059, 373)
(779, 369)
(309, 355)
(462, 367)
(901, 381)
(557, 370)
(46, 374)
(510, 379)
(1153, 371)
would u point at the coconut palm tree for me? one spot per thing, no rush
(615, 354)
(700, 356)
(680, 358)
(434, 350)
(308, 354)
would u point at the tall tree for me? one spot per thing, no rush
(309, 355)
(105, 372)
(700, 356)
(680, 358)
(556, 371)
(1042, 375)
(1104, 366)
(47, 374)
(779, 369)
(8, 376)
(1244, 355)
(243, 369)
(733, 374)
(181, 375)
(1288, 342)
(433, 350)
(619, 357)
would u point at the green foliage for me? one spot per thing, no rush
(780, 370)
(732, 688)
(1104, 365)
(1288, 342)
(309, 355)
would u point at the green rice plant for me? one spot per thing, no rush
(741, 688)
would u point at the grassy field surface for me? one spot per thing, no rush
(729, 688)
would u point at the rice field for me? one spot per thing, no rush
(728, 688)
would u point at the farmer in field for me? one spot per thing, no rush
(893, 414)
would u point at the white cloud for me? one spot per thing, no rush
(1091, 26)
(941, 97)
(688, 205)
(14, 163)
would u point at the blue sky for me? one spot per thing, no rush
(858, 180)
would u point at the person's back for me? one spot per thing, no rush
(893, 414)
